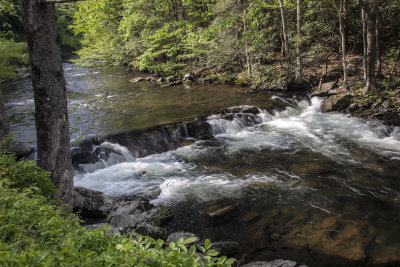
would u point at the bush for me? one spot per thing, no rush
(12, 55)
(35, 233)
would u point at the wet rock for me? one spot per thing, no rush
(227, 248)
(152, 231)
(137, 79)
(178, 235)
(91, 203)
(337, 102)
(243, 109)
(175, 83)
(220, 209)
(274, 263)
(171, 79)
(112, 230)
(188, 77)
(161, 79)
(129, 214)
(19, 150)
(198, 129)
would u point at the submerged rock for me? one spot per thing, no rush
(227, 248)
(91, 203)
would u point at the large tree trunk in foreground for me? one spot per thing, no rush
(4, 123)
(51, 114)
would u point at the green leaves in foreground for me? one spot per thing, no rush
(34, 233)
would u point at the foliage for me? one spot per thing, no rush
(37, 234)
(65, 17)
(12, 55)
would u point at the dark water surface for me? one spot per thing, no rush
(321, 189)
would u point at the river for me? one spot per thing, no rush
(322, 189)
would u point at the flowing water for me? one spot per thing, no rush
(321, 189)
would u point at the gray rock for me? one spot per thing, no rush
(227, 248)
(337, 102)
(178, 235)
(161, 79)
(112, 231)
(19, 149)
(243, 109)
(187, 77)
(152, 231)
(91, 203)
(137, 79)
(175, 83)
(171, 79)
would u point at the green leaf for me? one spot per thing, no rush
(212, 252)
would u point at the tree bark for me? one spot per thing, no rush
(299, 59)
(378, 48)
(4, 123)
(286, 41)
(246, 45)
(370, 10)
(341, 12)
(51, 113)
(364, 35)
(396, 58)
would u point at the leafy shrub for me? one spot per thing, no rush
(12, 55)
(36, 234)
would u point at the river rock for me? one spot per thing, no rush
(175, 83)
(171, 79)
(338, 102)
(161, 79)
(91, 203)
(274, 263)
(199, 129)
(137, 79)
(112, 231)
(327, 89)
(187, 77)
(19, 150)
(152, 231)
(227, 248)
(178, 235)
(243, 109)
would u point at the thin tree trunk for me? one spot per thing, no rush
(341, 12)
(286, 41)
(393, 68)
(4, 123)
(246, 45)
(51, 114)
(364, 36)
(299, 59)
(378, 48)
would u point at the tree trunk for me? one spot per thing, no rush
(246, 45)
(341, 12)
(51, 114)
(396, 58)
(4, 123)
(286, 41)
(364, 35)
(370, 11)
(299, 59)
(378, 48)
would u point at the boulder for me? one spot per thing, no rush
(227, 248)
(171, 79)
(91, 203)
(178, 235)
(243, 109)
(20, 150)
(137, 79)
(161, 79)
(152, 231)
(338, 102)
(199, 129)
(187, 77)
(327, 89)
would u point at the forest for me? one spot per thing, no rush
(199, 132)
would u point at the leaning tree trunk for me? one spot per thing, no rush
(51, 114)
(299, 59)
(378, 48)
(371, 51)
(4, 123)
(286, 41)
(341, 12)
